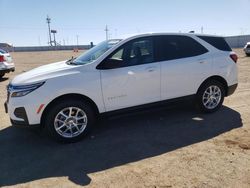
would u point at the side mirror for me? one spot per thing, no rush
(110, 64)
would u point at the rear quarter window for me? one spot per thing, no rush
(170, 47)
(217, 42)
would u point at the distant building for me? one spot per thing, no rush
(238, 41)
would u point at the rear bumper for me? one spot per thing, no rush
(3, 71)
(231, 89)
(247, 51)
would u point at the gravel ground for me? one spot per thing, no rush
(172, 147)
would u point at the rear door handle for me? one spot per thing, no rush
(201, 61)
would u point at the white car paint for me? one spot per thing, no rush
(7, 64)
(247, 48)
(120, 88)
(130, 86)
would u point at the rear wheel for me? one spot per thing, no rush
(69, 121)
(210, 96)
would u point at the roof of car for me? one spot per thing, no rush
(163, 33)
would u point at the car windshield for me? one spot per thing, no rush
(2, 51)
(95, 52)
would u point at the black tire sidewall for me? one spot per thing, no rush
(57, 107)
(201, 91)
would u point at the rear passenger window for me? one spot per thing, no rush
(175, 47)
(217, 42)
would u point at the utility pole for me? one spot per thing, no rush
(202, 29)
(106, 30)
(48, 22)
(115, 32)
(77, 36)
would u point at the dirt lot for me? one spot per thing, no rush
(176, 147)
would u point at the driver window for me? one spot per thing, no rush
(118, 55)
(136, 52)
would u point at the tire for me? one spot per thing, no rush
(59, 117)
(2, 75)
(210, 96)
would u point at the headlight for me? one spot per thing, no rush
(19, 91)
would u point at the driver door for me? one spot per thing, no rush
(130, 76)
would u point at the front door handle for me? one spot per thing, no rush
(201, 61)
(150, 69)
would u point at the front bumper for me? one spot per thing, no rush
(21, 114)
(231, 89)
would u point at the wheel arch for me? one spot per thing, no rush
(219, 79)
(65, 97)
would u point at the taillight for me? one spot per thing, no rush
(234, 57)
(2, 59)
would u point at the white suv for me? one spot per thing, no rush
(6, 64)
(148, 69)
(247, 49)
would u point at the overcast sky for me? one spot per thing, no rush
(23, 22)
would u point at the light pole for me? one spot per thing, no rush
(54, 34)
(106, 30)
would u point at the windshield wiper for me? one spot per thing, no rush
(71, 61)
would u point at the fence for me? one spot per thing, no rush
(238, 41)
(45, 48)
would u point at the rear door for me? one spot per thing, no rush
(184, 62)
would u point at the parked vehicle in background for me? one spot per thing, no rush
(6, 64)
(117, 75)
(247, 49)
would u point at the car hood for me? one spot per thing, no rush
(45, 72)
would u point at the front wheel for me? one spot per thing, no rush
(69, 120)
(210, 96)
